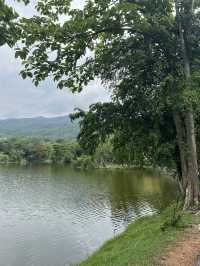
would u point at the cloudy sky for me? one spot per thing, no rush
(20, 98)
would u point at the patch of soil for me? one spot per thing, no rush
(185, 251)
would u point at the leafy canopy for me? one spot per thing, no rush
(9, 28)
(131, 46)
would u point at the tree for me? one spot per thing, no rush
(9, 28)
(185, 19)
(146, 51)
(139, 136)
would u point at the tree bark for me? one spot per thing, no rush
(181, 138)
(192, 190)
(192, 187)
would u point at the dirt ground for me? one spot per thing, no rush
(185, 252)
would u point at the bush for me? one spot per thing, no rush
(84, 162)
(4, 158)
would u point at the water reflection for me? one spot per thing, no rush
(58, 216)
(138, 194)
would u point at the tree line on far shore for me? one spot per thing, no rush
(23, 151)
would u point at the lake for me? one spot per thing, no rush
(57, 216)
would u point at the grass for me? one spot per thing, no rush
(142, 243)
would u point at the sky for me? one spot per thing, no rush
(20, 98)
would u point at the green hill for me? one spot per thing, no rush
(39, 127)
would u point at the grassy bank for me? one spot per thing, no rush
(142, 242)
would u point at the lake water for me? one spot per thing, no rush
(57, 216)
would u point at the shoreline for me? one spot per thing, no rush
(143, 242)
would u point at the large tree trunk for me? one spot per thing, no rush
(189, 183)
(192, 180)
(192, 189)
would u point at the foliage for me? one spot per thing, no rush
(9, 24)
(65, 152)
(4, 158)
(84, 162)
(33, 150)
(134, 48)
(105, 154)
(140, 140)
(27, 150)
(174, 219)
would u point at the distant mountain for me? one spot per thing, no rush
(39, 127)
